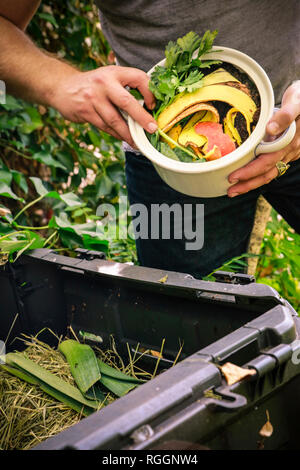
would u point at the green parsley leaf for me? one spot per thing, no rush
(189, 43)
(206, 42)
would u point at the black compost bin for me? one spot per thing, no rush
(231, 320)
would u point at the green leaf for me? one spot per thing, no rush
(205, 63)
(115, 373)
(115, 380)
(66, 159)
(50, 383)
(190, 42)
(21, 374)
(172, 52)
(70, 239)
(35, 241)
(20, 180)
(39, 187)
(48, 17)
(95, 243)
(62, 221)
(6, 191)
(207, 42)
(177, 146)
(153, 138)
(184, 157)
(96, 393)
(5, 177)
(12, 104)
(118, 387)
(136, 94)
(95, 138)
(10, 246)
(21, 241)
(70, 199)
(166, 150)
(83, 363)
(116, 173)
(32, 120)
(44, 157)
(71, 403)
(104, 185)
(6, 228)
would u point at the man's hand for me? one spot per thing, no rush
(95, 97)
(262, 170)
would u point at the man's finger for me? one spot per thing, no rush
(257, 167)
(113, 119)
(136, 78)
(254, 183)
(96, 120)
(124, 100)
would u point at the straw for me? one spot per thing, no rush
(28, 415)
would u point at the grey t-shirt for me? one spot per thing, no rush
(266, 30)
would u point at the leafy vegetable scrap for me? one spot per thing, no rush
(200, 116)
(93, 377)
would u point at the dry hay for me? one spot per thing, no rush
(28, 415)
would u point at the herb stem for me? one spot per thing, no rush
(173, 142)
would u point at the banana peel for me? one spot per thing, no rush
(219, 76)
(188, 136)
(207, 113)
(186, 104)
(229, 128)
(195, 108)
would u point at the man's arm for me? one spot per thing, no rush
(80, 96)
(19, 12)
(27, 71)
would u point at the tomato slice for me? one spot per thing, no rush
(218, 144)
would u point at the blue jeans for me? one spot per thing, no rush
(227, 222)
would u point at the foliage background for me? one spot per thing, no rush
(54, 174)
(68, 158)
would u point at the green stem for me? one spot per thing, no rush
(12, 233)
(3, 143)
(49, 238)
(27, 207)
(30, 228)
(173, 142)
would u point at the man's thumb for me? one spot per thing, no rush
(288, 112)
